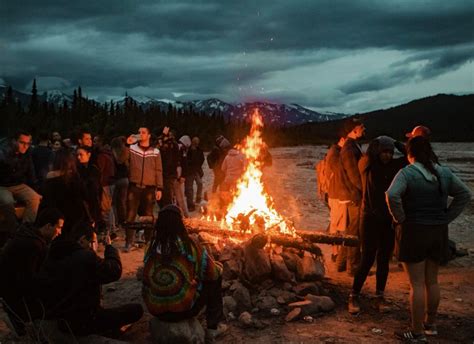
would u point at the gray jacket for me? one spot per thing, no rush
(416, 197)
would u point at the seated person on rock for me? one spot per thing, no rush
(180, 277)
(71, 285)
(20, 262)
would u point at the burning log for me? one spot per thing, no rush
(304, 239)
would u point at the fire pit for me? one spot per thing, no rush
(270, 267)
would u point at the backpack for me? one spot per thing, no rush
(323, 178)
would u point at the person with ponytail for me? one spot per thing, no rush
(180, 276)
(418, 202)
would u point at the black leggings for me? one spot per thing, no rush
(378, 238)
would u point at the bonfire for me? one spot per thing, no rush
(251, 204)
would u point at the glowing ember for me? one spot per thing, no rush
(251, 205)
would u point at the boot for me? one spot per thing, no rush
(353, 305)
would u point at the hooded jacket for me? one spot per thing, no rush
(415, 195)
(233, 166)
(71, 280)
(20, 263)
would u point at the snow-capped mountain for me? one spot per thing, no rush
(274, 114)
(56, 97)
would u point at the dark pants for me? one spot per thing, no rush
(378, 238)
(218, 178)
(189, 189)
(21, 311)
(136, 196)
(211, 297)
(351, 254)
(105, 320)
(120, 200)
(167, 194)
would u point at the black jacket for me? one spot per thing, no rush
(170, 156)
(20, 262)
(71, 280)
(195, 160)
(15, 168)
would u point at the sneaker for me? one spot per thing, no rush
(411, 337)
(212, 334)
(430, 329)
(353, 305)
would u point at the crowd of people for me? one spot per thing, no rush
(60, 198)
(394, 206)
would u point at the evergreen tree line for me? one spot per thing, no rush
(111, 119)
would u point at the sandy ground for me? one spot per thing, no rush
(291, 182)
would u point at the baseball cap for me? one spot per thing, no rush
(419, 130)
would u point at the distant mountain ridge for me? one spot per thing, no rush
(273, 114)
(450, 118)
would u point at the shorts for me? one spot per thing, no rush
(338, 216)
(416, 243)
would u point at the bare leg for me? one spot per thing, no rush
(416, 275)
(431, 291)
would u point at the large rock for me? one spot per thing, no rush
(266, 303)
(280, 270)
(323, 303)
(232, 269)
(230, 305)
(309, 269)
(242, 298)
(291, 260)
(188, 331)
(257, 264)
(305, 288)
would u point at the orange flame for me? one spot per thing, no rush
(250, 198)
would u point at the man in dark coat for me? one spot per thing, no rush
(215, 159)
(71, 285)
(21, 261)
(17, 177)
(194, 174)
(351, 152)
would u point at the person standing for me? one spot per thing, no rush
(418, 202)
(194, 174)
(171, 160)
(121, 158)
(351, 152)
(215, 159)
(145, 180)
(377, 168)
(17, 179)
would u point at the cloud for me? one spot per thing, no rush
(317, 53)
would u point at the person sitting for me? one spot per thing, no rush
(71, 281)
(17, 177)
(180, 276)
(21, 261)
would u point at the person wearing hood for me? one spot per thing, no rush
(215, 159)
(232, 167)
(377, 168)
(418, 202)
(71, 280)
(20, 262)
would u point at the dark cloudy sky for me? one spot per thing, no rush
(333, 55)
